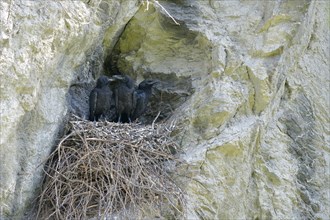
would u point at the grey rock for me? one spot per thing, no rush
(253, 122)
(49, 52)
(246, 81)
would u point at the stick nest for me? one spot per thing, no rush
(103, 170)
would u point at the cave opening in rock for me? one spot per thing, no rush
(150, 46)
(174, 73)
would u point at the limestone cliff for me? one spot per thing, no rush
(45, 47)
(248, 81)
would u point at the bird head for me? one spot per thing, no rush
(119, 78)
(102, 81)
(111, 80)
(148, 83)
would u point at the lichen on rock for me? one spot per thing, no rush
(247, 81)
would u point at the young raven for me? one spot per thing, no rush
(130, 83)
(124, 87)
(99, 98)
(142, 96)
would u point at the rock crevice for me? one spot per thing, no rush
(247, 81)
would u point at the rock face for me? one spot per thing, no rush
(46, 48)
(247, 82)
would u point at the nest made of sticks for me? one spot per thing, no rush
(104, 169)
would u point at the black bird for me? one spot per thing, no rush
(130, 83)
(124, 88)
(142, 95)
(99, 98)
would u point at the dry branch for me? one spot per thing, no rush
(157, 4)
(109, 169)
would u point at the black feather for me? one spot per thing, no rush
(142, 95)
(123, 88)
(99, 99)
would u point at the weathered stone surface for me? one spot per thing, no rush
(247, 82)
(255, 130)
(45, 46)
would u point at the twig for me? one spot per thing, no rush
(162, 7)
(153, 122)
(166, 12)
(147, 7)
(104, 169)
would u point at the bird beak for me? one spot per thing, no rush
(155, 82)
(110, 80)
(120, 77)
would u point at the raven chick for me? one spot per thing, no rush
(124, 87)
(99, 98)
(142, 96)
(130, 83)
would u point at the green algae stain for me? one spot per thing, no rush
(275, 20)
